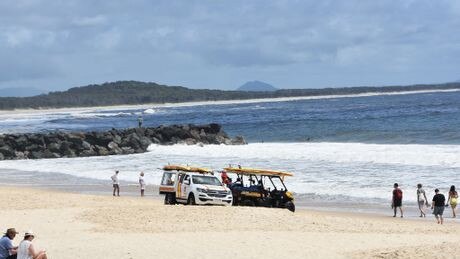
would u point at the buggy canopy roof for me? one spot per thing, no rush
(249, 171)
(186, 169)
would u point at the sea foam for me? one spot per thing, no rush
(336, 170)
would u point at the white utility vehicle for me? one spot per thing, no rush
(193, 185)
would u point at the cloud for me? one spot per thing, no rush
(288, 41)
(90, 21)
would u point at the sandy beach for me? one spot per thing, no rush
(70, 225)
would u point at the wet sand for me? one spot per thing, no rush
(72, 225)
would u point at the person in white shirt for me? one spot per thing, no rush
(26, 249)
(142, 183)
(116, 184)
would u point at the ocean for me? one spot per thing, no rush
(344, 151)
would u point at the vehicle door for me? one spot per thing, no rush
(180, 179)
(185, 186)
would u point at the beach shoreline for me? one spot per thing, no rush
(4, 113)
(71, 225)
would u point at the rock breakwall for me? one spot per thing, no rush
(112, 142)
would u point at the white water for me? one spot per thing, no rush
(336, 171)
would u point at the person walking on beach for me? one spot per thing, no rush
(396, 201)
(422, 200)
(438, 206)
(7, 250)
(27, 250)
(452, 200)
(116, 184)
(142, 183)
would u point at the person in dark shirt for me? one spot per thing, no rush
(396, 200)
(437, 205)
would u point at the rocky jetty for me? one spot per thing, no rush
(112, 142)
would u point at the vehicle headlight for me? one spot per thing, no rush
(229, 192)
(201, 190)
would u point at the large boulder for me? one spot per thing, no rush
(239, 140)
(86, 145)
(65, 146)
(21, 143)
(54, 147)
(75, 139)
(114, 148)
(7, 151)
(101, 151)
(145, 142)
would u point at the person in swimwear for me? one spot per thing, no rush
(452, 200)
(422, 200)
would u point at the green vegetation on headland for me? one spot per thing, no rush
(133, 92)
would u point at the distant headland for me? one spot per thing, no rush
(135, 93)
(257, 86)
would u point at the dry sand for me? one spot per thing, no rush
(86, 226)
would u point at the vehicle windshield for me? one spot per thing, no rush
(168, 178)
(278, 184)
(207, 180)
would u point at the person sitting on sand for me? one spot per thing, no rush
(27, 250)
(116, 184)
(142, 183)
(438, 205)
(453, 200)
(396, 201)
(7, 250)
(422, 200)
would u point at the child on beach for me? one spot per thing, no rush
(422, 200)
(396, 200)
(453, 200)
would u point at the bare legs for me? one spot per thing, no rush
(422, 209)
(454, 215)
(142, 192)
(116, 189)
(41, 255)
(400, 209)
(439, 219)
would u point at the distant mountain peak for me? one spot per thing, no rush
(257, 86)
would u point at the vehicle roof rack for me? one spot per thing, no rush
(249, 171)
(187, 169)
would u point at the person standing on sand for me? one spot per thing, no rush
(7, 250)
(396, 200)
(453, 195)
(422, 200)
(116, 184)
(142, 183)
(438, 206)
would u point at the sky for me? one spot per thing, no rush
(57, 44)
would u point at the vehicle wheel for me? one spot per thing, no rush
(191, 199)
(248, 203)
(290, 206)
